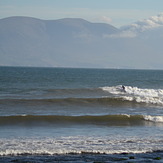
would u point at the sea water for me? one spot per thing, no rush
(49, 111)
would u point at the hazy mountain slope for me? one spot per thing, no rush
(26, 41)
(29, 41)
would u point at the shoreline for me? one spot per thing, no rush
(85, 157)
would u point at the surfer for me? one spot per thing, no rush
(123, 88)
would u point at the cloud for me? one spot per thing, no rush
(146, 24)
(133, 30)
(105, 19)
(122, 34)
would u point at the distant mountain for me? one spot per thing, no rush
(73, 42)
(34, 42)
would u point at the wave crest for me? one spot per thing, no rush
(108, 120)
(154, 118)
(148, 96)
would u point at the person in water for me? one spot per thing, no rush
(123, 88)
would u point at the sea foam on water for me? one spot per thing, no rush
(149, 96)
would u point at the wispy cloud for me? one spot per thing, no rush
(105, 19)
(122, 34)
(134, 29)
(146, 24)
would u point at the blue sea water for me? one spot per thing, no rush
(49, 111)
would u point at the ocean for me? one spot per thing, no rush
(80, 115)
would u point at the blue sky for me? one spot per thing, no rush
(115, 12)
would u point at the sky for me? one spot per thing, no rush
(115, 12)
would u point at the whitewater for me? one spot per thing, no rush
(72, 114)
(148, 96)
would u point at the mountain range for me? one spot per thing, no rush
(75, 42)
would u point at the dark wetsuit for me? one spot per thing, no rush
(123, 87)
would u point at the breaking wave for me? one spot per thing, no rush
(79, 145)
(113, 95)
(148, 96)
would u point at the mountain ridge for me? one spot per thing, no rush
(75, 42)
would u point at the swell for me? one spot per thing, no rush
(109, 120)
(103, 101)
(114, 95)
(57, 93)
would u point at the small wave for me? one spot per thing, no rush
(148, 96)
(77, 145)
(114, 95)
(154, 118)
(74, 101)
(109, 120)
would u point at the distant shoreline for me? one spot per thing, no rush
(93, 68)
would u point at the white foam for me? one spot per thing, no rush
(149, 96)
(116, 90)
(77, 144)
(154, 118)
